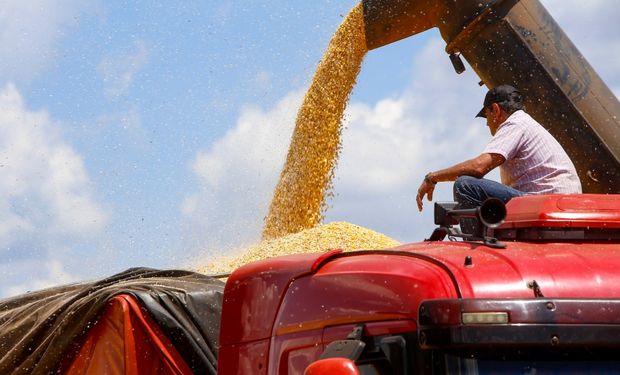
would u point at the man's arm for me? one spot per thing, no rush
(476, 167)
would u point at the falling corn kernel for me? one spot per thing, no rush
(298, 202)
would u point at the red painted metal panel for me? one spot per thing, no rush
(562, 270)
(252, 296)
(243, 359)
(564, 211)
(291, 354)
(361, 288)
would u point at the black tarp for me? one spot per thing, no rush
(40, 330)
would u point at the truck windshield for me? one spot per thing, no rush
(474, 366)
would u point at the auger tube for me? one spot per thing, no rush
(517, 42)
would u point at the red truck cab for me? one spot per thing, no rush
(540, 294)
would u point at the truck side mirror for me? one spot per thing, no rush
(332, 366)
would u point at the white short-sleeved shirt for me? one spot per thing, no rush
(535, 162)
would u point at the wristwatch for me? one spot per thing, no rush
(427, 178)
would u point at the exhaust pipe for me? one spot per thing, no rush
(517, 42)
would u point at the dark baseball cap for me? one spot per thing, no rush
(500, 94)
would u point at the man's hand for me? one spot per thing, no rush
(427, 189)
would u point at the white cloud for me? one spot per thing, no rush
(237, 176)
(29, 32)
(118, 71)
(49, 273)
(381, 146)
(44, 190)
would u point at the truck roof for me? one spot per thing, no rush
(561, 270)
(291, 290)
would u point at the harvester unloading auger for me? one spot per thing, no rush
(517, 42)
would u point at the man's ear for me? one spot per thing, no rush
(499, 113)
(497, 110)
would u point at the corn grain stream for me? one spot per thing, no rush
(298, 204)
(299, 198)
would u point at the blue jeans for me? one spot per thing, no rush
(470, 192)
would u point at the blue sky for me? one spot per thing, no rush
(153, 134)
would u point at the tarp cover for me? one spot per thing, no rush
(126, 341)
(40, 330)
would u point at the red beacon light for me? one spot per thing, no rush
(332, 366)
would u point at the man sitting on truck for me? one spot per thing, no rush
(531, 161)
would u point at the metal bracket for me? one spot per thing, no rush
(351, 348)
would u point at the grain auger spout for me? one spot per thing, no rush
(517, 42)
